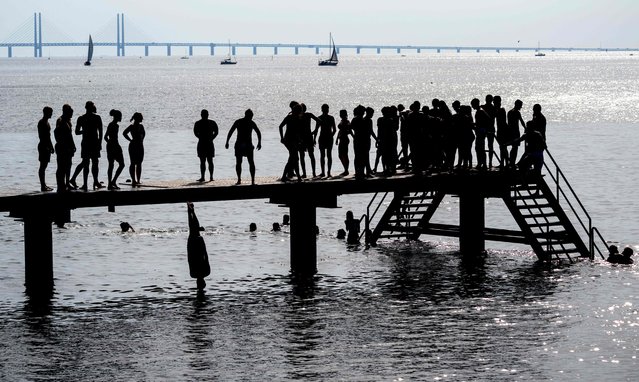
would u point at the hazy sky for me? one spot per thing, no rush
(583, 23)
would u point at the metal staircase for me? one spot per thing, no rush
(550, 216)
(543, 221)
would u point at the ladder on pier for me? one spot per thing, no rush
(407, 215)
(550, 216)
(543, 222)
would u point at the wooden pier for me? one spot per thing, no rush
(535, 206)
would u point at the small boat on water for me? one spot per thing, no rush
(90, 53)
(332, 60)
(229, 60)
(539, 52)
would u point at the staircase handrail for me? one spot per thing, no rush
(557, 178)
(368, 217)
(595, 246)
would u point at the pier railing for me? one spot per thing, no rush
(567, 197)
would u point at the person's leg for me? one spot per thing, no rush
(110, 173)
(329, 161)
(202, 168)
(41, 172)
(249, 158)
(78, 168)
(491, 140)
(302, 161)
(95, 169)
(132, 173)
(138, 172)
(211, 168)
(322, 160)
(513, 155)
(118, 171)
(311, 156)
(238, 168)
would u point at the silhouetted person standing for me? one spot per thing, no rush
(114, 150)
(362, 131)
(342, 141)
(291, 139)
(539, 120)
(198, 258)
(135, 134)
(533, 150)
(368, 118)
(327, 129)
(64, 148)
(244, 143)
(45, 146)
(489, 108)
(514, 119)
(403, 137)
(205, 130)
(89, 126)
(307, 143)
(502, 131)
(482, 126)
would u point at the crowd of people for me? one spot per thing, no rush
(419, 139)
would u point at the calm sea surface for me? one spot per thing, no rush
(125, 308)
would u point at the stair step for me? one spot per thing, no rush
(541, 215)
(399, 228)
(411, 205)
(535, 206)
(551, 235)
(419, 212)
(418, 197)
(537, 225)
(562, 251)
(529, 197)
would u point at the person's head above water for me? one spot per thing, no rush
(341, 234)
(627, 252)
(286, 219)
(252, 227)
(276, 227)
(613, 249)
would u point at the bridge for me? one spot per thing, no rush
(550, 216)
(30, 35)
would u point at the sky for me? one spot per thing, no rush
(560, 23)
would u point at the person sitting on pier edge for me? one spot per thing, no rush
(539, 120)
(342, 141)
(89, 125)
(352, 227)
(327, 129)
(502, 131)
(307, 142)
(45, 146)
(489, 108)
(291, 139)
(205, 130)
(482, 127)
(514, 119)
(244, 143)
(114, 150)
(533, 149)
(64, 148)
(197, 256)
(135, 134)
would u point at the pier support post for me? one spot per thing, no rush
(190, 50)
(168, 50)
(297, 50)
(471, 224)
(212, 49)
(146, 50)
(303, 238)
(9, 52)
(317, 50)
(379, 50)
(255, 50)
(38, 253)
(358, 50)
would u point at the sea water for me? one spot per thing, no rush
(125, 308)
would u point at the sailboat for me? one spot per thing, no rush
(90, 53)
(332, 60)
(539, 52)
(228, 60)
